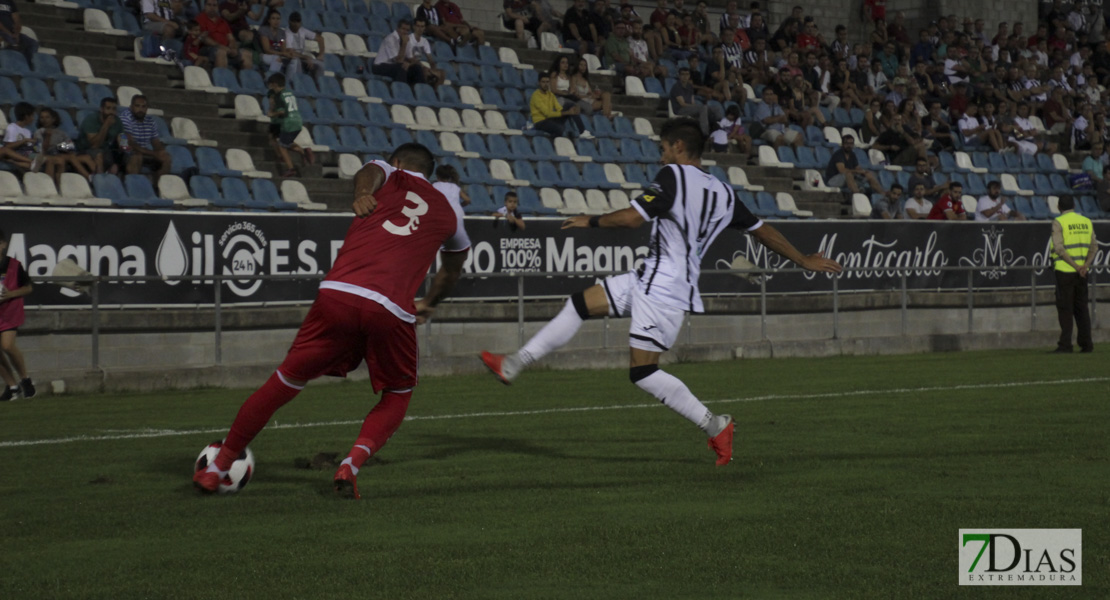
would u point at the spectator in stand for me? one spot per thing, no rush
(192, 48)
(684, 102)
(605, 18)
(549, 117)
(757, 28)
(840, 48)
(220, 47)
(977, 133)
(950, 207)
(1094, 166)
(296, 37)
(19, 143)
(673, 45)
(391, 62)
(447, 182)
(773, 121)
(436, 27)
(520, 16)
(620, 57)
(272, 37)
(58, 149)
(1056, 115)
(143, 147)
(873, 10)
(993, 207)
(936, 126)
(927, 179)
(579, 30)
(236, 12)
(453, 21)
(730, 131)
(843, 170)
(640, 54)
(589, 97)
(11, 31)
(900, 147)
(808, 38)
(285, 124)
(923, 51)
(889, 205)
(1029, 141)
(725, 24)
(159, 17)
(419, 49)
(917, 207)
(99, 137)
(896, 30)
(510, 213)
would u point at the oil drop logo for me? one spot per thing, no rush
(172, 259)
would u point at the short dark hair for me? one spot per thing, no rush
(687, 131)
(1065, 203)
(898, 187)
(139, 97)
(420, 20)
(295, 17)
(111, 99)
(956, 184)
(191, 23)
(994, 183)
(269, 14)
(447, 173)
(23, 110)
(846, 138)
(510, 193)
(276, 79)
(53, 115)
(416, 156)
(404, 22)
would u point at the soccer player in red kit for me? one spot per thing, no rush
(365, 308)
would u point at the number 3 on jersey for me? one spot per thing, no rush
(419, 207)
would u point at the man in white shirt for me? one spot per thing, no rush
(419, 49)
(295, 38)
(1026, 134)
(391, 61)
(993, 207)
(917, 207)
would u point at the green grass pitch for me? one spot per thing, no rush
(851, 478)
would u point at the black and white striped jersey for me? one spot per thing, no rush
(688, 209)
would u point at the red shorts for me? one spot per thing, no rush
(341, 330)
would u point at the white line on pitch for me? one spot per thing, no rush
(157, 433)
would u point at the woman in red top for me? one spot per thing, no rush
(14, 285)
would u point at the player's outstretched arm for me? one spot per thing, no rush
(451, 266)
(368, 180)
(775, 241)
(626, 217)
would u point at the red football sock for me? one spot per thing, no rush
(253, 416)
(383, 420)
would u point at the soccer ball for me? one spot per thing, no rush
(237, 476)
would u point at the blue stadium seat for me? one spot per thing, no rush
(1029, 164)
(634, 173)
(327, 112)
(205, 188)
(9, 94)
(449, 97)
(314, 5)
(140, 190)
(467, 75)
(996, 163)
(311, 20)
(766, 203)
(593, 174)
(975, 185)
(1087, 206)
(45, 65)
(210, 163)
(806, 158)
(514, 99)
(650, 150)
(68, 95)
(886, 178)
(308, 114)
(569, 176)
(489, 76)
(531, 79)
(600, 126)
(426, 96)
(35, 91)
(1060, 185)
(523, 170)
(488, 56)
(467, 54)
(510, 76)
(354, 66)
(480, 200)
(865, 160)
(1023, 205)
(380, 28)
(400, 136)
(450, 73)
(235, 191)
(182, 159)
(401, 10)
(586, 148)
(377, 140)
(429, 141)
(547, 173)
(1039, 207)
(266, 193)
(303, 86)
(13, 64)
(499, 147)
(1045, 164)
(109, 186)
(353, 113)
(251, 81)
(607, 151)
(490, 95)
(330, 88)
(379, 115)
(479, 172)
(749, 201)
(334, 23)
(521, 148)
(545, 150)
(443, 51)
(125, 20)
(224, 77)
(623, 128)
(402, 93)
(948, 162)
(351, 140)
(1013, 163)
(165, 134)
(359, 7)
(530, 200)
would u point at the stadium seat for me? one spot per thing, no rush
(295, 192)
(548, 174)
(618, 199)
(614, 174)
(766, 203)
(186, 129)
(235, 191)
(593, 174)
(39, 189)
(247, 108)
(478, 172)
(75, 191)
(524, 171)
(196, 78)
(205, 188)
(551, 199)
(140, 190)
(226, 79)
(785, 203)
(210, 163)
(480, 200)
(182, 159)
(172, 187)
(110, 187)
(569, 176)
(574, 203)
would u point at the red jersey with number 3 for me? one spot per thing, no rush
(386, 255)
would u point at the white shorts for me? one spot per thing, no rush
(654, 326)
(618, 291)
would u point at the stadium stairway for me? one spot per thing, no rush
(112, 57)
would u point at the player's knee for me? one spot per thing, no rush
(578, 300)
(637, 374)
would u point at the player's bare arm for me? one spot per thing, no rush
(451, 266)
(626, 217)
(776, 242)
(368, 180)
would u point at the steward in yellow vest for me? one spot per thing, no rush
(1073, 250)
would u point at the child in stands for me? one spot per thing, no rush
(285, 124)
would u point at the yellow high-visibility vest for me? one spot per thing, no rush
(1077, 240)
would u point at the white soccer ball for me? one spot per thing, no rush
(237, 476)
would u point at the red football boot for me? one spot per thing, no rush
(206, 481)
(346, 483)
(493, 363)
(722, 443)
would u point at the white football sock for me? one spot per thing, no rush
(212, 468)
(676, 396)
(347, 461)
(553, 336)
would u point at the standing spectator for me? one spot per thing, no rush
(918, 207)
(510, 213)
(19, 143)
(579, 30)
(14, 285)
(684, 103)
(285, 124)
(452, 18)
(993, 207)
(58, 150)
(843, 169)
(272, 38)
(447, 182)
(221, 47)
(950, 207)
(391, 61)
(143, 146)
(11, 31)
(1073, 250)
(549, 117)
(99, 137)
(520, 16)
(160, 17)
(303, 60)
(889, 205)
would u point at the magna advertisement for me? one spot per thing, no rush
(124, 244)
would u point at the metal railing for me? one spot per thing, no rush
(94, 284)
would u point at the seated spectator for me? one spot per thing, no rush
(619, 55)
(436, 27)
(1093, 166)
(19, 143)
(976, 133)
(889, 205)
(447, 182)
(11, 32)
(1025, 135)
(303, 60)
(924, 176)
(220, 46)
(950, 207)
(521, 16)
(773, 120)
(236, 13)
(900, 147)
(58, 150)
(275, 56)
(936, 128)
(843, 170)
(99, 137)
(160, 17)
(673, 45)
(419, 49)
(684, 102)
(452, 20)
(580, 33)
(142, 147)
(510, 213)
(917, 207)
(589, 97)
(731, 131)
(549, 117)
(640, 54)
(391, 61)
(192, 48)
(285, 124)
(993, 207)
